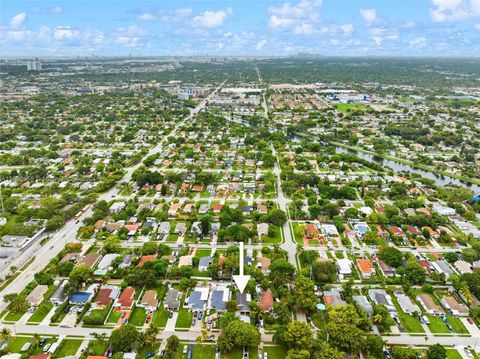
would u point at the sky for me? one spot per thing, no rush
(241, 27)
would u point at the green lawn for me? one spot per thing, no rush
(410, 323)
(457, 325)
(15, 344)
(184, 319)
(13, 317)
(41, 312)
(275, 352)
(95, 348)
(160, 318)
(237, 353)
(114, 317)
(453, 354)
(137, 317)
(68, 347)
(437, 325)
(203, 351)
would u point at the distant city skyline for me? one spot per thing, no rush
(229, 28)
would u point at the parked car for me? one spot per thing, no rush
(149, 355)
(46, 347)
(245, 353)
(185, 348)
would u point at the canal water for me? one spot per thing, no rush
(439, 179)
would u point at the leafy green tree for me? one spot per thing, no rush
(381, 318)
(328, 352)
(238, 334)
(436, 351)
(277, 217)
(344, 328)
(80, 274)
(172, 346)
(415, 273)
(124, 338)
(391, 255)
(324, 271)
(298, 354)
(305, 293)
(281, 271)
(297, 335)
(374, 346)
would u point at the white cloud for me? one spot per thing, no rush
(418, 43)
(260, 44)
(127, 40)
(130, 36)
(64, 33)
(477, 26)
(347, 29)
(454, 10)
(278, 23)
(304, 9)
(57, 10)
(18, 20)
(368, 15)
(146, 17)
(212, 19)
(184, 12)
(302, 17)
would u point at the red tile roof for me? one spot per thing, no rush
(126, 298)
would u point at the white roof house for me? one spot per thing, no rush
(329, 229)
(406, 303)
(344, 266)
(443, 210)
(463, 267)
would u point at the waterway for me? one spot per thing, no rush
(439, 179)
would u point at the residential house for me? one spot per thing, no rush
(145, 259)
(266, 300)
(126, 261)
(243, 300)
(344, 266)
(386, 269)
(149, 300)
(454, 307)
(463, 267)
(198, 298)
(442, 266)
(219, 299)
(381, 297)
(366, 267)
(204, 262)
(60, 295)
(172, 299)
(363, 302)
(185, 261)
(264, 264)
(334, 298)
(174, 207)
(429, 305)
(90, 260)
(36, 295)
(406, 303)
(125, 301)
(262, 229)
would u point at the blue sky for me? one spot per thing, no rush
(242, 27)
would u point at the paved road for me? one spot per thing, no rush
(69, 231)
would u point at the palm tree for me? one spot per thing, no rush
(6, 334)
(151, 335)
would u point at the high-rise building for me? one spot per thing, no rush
(34, 65)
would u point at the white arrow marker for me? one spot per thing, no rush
(241, 280)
